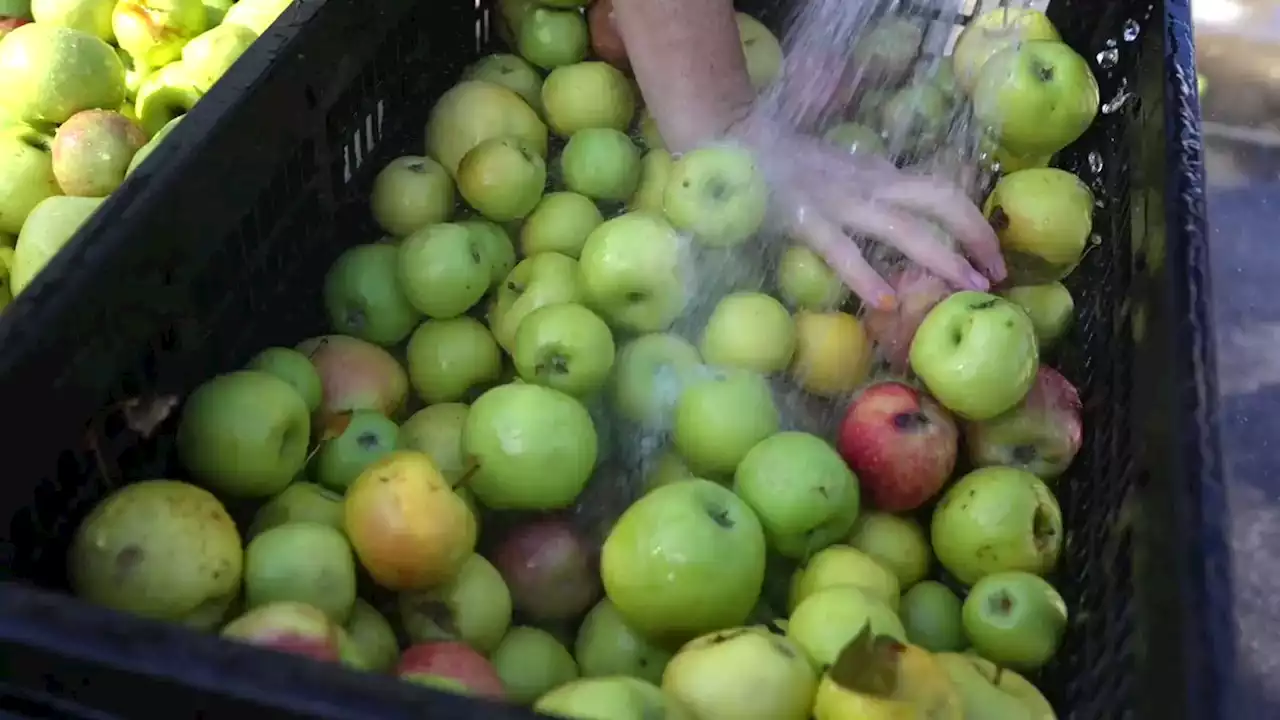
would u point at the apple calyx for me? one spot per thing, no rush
(913, 421)
(1042, 528)
(1044, 72)
(440, 615)
(720, 516)
(868, 664)
(999, 219)
(417, 167)
(1000, 604)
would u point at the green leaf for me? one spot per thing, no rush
(869, 664)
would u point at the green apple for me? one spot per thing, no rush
(976, 353)
(366, 436)
(134, 74)
(437, 431)
(301, 562)
(683, 560)
(887, 48)
(650, 375)
(472, 112)
(896, 542)
(363, 298)
(216, 11)
(447, 359)
(566, 347)
(1015, 619)
(560, 223)
(92, 17)
(442, 271)
(806, 282)
(474, 607)
(917, 118)
(159, 549)
(410, 193)
(1050, 307)
(1009, 162)
(153, 32)
(633, 271)
(587, 95)
(372, 638)
(601, 163)
(826, 621)
(294, 368)
(931, 614)
(839, 565)
(531, 662)
(257, 15)
(495, 245)
(502, 178)
(511, 72)
(244, 434)
(720, 416)
(1043, 217)
(547, 278)
(551, 38)
(26, 175)
(550, 459)
(165, 94)
(610, 698)
(761, 49)
(49, 73)
(152, 144)
(991, 32)
(751, 331)
(718, 194)
(655, 170)
(607, 645)
(299, 502)
(745, 673)
(996, 519)
(51, 225)
(989, 691)
(814, 508)
(92, 150)
(648, 128)
(856, 138)
(211, 53)
(1038, 97)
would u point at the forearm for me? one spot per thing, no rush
(687, 58)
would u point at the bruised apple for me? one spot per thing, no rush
(900, 443)
(1041, 435)
(474, 607)
(917, 292)
(470, 672)
(355, 375)
(407, 526)
(290, 627)
(549, 569)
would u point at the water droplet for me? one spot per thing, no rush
(1108, 58)
(1095, 162)
(1131, 30)
(1095, 239)
(1099, 202)
(1111, 42)
(1117, 102)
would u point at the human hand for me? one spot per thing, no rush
(826, 198)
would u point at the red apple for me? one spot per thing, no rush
(549, 569)
(917, 292)
(1041, 435)
(900, 443)
(9, 24)
(606, 43)
(449, 665)
(291, 627)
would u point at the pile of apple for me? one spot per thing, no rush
(88, 89)
(477, 348)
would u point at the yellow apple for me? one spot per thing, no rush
(833, 354)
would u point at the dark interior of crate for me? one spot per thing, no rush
(254, 277)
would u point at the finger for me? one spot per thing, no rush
(915, 238)
(948, 206)
(844, 258)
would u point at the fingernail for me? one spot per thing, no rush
(886, 303)
(977, 281)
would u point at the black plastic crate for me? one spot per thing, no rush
(217, 247)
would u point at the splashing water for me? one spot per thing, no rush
(877, 64)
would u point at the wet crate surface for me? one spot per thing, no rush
(248, 276)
